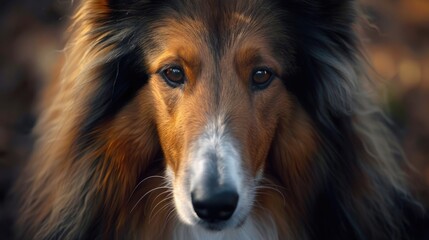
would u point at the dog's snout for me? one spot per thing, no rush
(214, 205)
(215, 177)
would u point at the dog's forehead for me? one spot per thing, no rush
(227, 19)
(220, 10)
(224, 26)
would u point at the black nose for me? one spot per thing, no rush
(214, 206)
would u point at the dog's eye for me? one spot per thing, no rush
(261, 78)
(174, 76)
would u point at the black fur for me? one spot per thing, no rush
(123, 73)
(319, 27)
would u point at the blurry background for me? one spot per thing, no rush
(396, 40)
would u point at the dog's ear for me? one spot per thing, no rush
(331, 12)
(115, 32)
(326, 54)
(119, 2)
(116, 7)
(124, 3)
(114, 2)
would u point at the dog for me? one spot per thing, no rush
(214, 119)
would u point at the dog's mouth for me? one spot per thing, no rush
(219, 226)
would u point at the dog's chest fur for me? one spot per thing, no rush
(252, 229)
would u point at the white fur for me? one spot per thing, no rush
(215, 139)
(252, 229)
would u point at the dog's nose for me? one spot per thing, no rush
(214, 206)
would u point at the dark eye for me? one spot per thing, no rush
(261, 78)
(174, 76)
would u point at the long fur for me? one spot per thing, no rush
(91, 154)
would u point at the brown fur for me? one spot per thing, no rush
(113, 185)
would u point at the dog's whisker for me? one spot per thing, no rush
(154, 200)
(169, 204)
(138, 185)
(171, 215)
(168, 190)
(141, 198)
(273, 189)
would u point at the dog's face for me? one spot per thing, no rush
(216, 79)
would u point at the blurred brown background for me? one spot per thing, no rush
(397, 42)
(398, 47)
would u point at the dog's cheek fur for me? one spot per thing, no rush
(265, 114)
(328, 83)
(88, 165)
